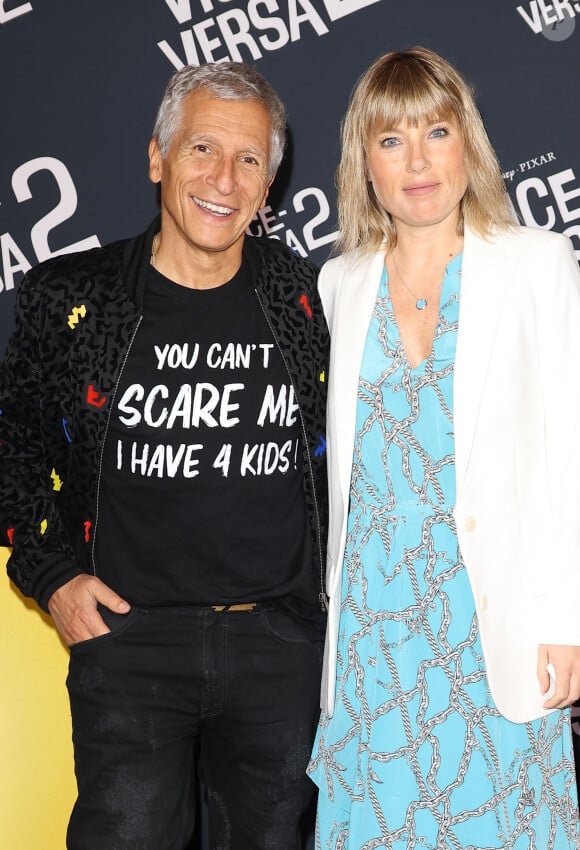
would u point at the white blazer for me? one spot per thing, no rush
(517, 444)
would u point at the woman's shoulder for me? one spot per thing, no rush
(351, 261)
(530, 247)
(534, 239)
(347, 273)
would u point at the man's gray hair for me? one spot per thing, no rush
(225, 81)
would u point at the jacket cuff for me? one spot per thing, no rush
(53, 576)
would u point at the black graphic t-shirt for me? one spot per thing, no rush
(201, 496)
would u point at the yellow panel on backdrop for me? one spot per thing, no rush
(37, 785)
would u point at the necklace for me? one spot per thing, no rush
(420, 303)
(154, 247)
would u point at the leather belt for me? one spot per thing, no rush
(242, 606)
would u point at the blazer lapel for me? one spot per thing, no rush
(484, 283)
(357, 299)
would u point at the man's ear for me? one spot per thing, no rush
(155, 162)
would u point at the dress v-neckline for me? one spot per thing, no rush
(444, 294)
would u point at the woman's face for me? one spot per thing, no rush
(418, 173)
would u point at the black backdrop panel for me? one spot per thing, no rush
(81, 83)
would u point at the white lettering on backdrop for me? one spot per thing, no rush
(243, 34)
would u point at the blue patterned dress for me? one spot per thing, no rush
(416, 755)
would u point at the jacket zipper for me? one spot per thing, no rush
(322, 594)
(105, 432)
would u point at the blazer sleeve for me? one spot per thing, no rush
(558, 345)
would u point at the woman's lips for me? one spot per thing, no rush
(421, 188)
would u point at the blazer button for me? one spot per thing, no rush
(483, 602)
(470, 523)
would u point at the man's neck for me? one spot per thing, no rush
(193, 268)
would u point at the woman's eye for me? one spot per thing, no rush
(439, 132)
(389, 142)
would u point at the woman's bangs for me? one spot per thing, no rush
(408, 101)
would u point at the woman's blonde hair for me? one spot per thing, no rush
(407, 87)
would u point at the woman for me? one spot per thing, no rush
(454, 540)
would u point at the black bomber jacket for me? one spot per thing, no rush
(76, 317)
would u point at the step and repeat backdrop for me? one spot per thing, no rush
(80, 86)
(81, 83)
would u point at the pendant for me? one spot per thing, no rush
(421, 304)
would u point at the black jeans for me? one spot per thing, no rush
(172, 691)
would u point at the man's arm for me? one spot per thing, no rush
(42, 563)
(42, 558)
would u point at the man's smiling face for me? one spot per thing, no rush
(215, 176)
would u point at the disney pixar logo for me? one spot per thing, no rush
(10, 10)
(556, 20)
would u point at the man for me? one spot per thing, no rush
(163, 480)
